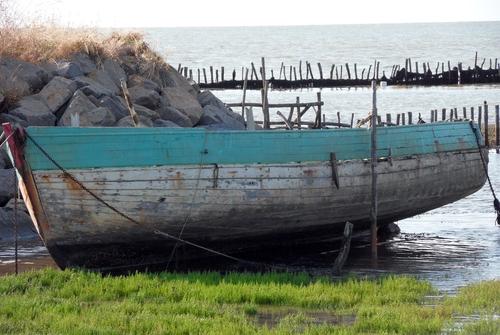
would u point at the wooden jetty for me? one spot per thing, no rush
(346, 75)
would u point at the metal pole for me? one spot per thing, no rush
(373, 212)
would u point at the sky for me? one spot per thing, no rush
(190, 13)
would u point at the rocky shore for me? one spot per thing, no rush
(48, 93)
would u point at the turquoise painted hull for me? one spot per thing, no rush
(82, 148)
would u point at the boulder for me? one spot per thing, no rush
(11, 84)
(165, 124)
(84, 62)
(79, 104)
(8, 184)
(171, 114)
(116, 105)
(68, 70)
(25, 228)
(21, 206)
(224, 118)
(183, 101)
(33, 75)
(5, 117)
(136, 80)
(146, 112)
(115, 72)
(90, 86)
(57, 92)
(127, 122)
(144, 97)
(103, 78)
(169, 77)
(34, 111)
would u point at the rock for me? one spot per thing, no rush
(21, 206)
(136, 80)
(79, 104)
(90, 86)
(68, 70)
(223, 117)
(34, 111)
(5, 117)
(57, 92)
(184, 102)
(33, 75)
(115, 72)
(144, 97)
(11, 84)
(208, 98)
(165, 124)
(169, 77)
(90, 115)
(8, 184)
(146, 112)
(103, 78)
(127, 122)
(25, 228)
(116, 105)
(84, 62)
(171, 114)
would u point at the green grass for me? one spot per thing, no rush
(62, 302)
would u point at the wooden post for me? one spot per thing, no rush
(432, 115)
(250, 119)
(455, 113)
(443, 114)
(299, 123)
(320, 71)
(265, 101)
(222, 73)
(348, 70)
(480, 116)
(403, 119)
(464, 112)
(300, 70)
(472, 113)
(211, 74)
(388, 118)
(318, 113)
(338, 119)
(486, 130)
(352, 120)
(199, 77)
(205, 75)
(355, 71)
(497, 128)
(373, 211)
(331, 71)
(245, 82)
(398, 119)
(216, 75)
(410, 117)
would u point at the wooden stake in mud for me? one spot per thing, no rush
(245, 82)
(497, 128)
(373, 211)
(265, 101)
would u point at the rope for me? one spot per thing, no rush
(155, 231)
(496, 202)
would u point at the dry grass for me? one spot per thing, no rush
(39, 42)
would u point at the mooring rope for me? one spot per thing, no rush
(496, 202)
(155, 231)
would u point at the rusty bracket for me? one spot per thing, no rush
(335, 175)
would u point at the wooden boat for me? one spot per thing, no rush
(96, 195)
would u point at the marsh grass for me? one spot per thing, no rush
(60, 302)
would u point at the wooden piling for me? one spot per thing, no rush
(352, 120)
(398, 119)
(479, 116)
(320, 71)
(265, 101)
(300, 70)
(432, 115)
(443, 114)
(338, 118)
(455, 113)
(388, 118)
(403, 121)
(318, 111)
(216, 75)
(373, 211)
(472, 113)
(486, 130)
(299, 122)
(497, 128)
(410, 118)
(245, 83)
(348, 70)
(464, 110)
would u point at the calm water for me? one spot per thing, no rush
(450, 246)
(362, 44)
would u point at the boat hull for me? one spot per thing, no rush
(99, 196)
(236, 208)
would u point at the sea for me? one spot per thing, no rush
(450, 246)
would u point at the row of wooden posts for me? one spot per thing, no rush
(346, 75)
